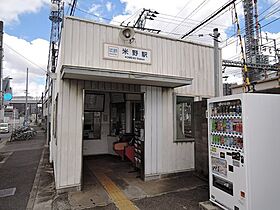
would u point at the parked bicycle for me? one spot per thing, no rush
(23, 133)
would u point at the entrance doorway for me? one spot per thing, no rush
(113, 135)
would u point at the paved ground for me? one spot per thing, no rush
(18, 169)
(183, 191)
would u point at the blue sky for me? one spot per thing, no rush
(27, 27)
(34, 25)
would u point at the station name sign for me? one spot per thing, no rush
(129, 54)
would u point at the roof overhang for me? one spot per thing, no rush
(120, 76)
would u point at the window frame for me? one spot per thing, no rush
(100, 132)
(186, 139)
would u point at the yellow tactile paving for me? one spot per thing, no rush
(118, 197)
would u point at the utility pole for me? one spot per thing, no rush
(1, 71)
(42, 111)
(26, 100)
(217, 70)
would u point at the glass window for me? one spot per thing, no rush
(92, 125)
(184, 125)
(117, 118)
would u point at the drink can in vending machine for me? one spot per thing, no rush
(222, 140)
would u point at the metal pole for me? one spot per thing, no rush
(26, 99)
(14, 118)
(217, 72)
(42, 114)
(1, 70)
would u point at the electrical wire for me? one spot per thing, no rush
(130, 17)
(262, 19)
(276, 2)
(193, 12)
(220, 15)
(25, 58)
(180, 11)
(267, 24)
(104, 18)
(181, 18)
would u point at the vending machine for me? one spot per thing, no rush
(244, 151)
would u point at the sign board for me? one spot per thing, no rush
(129, 54)
(8, 96)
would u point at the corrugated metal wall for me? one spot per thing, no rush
(69, 144)
(162, 154)
(83, 41)
(68, 151)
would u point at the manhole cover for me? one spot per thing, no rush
(7, 192)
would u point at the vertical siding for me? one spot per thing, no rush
(162, 155)
(68, 152)
(84, 42)
(69, 134)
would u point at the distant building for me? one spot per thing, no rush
(16, 108)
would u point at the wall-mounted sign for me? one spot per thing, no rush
(8, 96)
(129, 54)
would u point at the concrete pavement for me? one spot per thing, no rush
(18, 169)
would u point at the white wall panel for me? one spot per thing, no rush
(67, 154)
(162, 154)
(84, 42)
(69, 134)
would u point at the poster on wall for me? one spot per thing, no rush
(94, 102)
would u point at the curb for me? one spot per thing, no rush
(3, 143)
(34, 189)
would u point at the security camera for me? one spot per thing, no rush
(127, 34)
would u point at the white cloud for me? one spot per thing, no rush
(11, 9)
(109, 6)
(15, 65)
(94, 8)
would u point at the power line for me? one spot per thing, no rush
(130, 17)
(262, 27)
(105, 18)
(25, 58)
(262, 19)
(182, 18)
(219, 16)
(269, 7)
(193, 12)
(175, 22)
(179, 12)
(209, 18)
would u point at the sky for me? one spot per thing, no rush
(27, 30)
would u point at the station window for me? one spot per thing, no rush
(93, 108)
(184, 118)
(92, 125)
